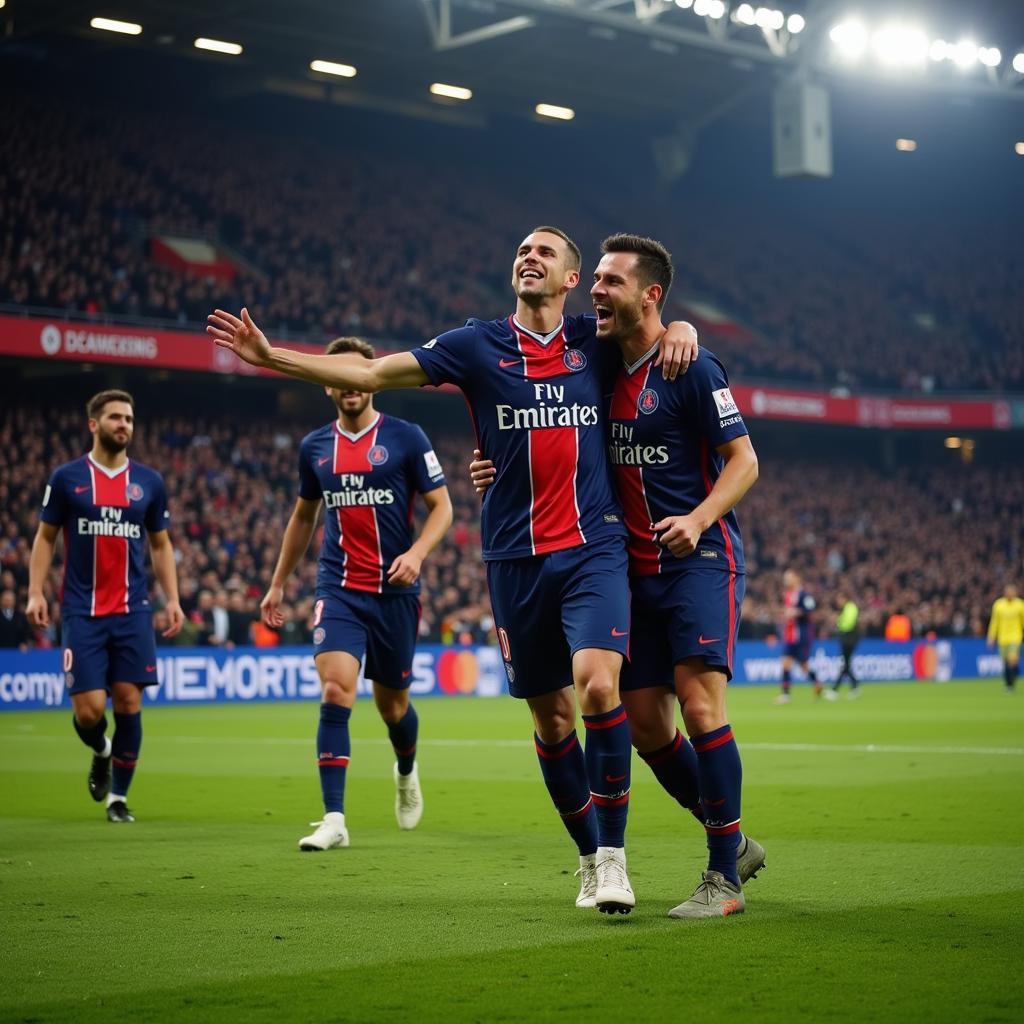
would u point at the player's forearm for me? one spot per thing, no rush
(737, 477)
(348, 370)
(297, 536)
(165, 570)
(435, 526)
(39, 564)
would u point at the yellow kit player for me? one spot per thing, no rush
(1006, 627)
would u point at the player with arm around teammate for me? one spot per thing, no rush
(797, 634)
(1006, 628)
(552, 529)
(107, 506)
(682, 460)
(366, 469)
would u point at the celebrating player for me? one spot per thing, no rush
(1006, 628)
(797, 634)
(367, 469)
(554, 541)
(682, 461)
(104, 503)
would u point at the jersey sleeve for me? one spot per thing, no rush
(158, 517)
(448, 358)
(54, 509)
(706, 396)
(309, 485)
(426, 467)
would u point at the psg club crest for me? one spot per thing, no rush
(377, 455)
(574, 360)
(648, 401)
(319, 635)
(134, 492)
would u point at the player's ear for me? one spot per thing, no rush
(652, 294)
(572, 279)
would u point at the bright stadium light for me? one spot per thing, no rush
(1018, 63)
(990, 56)
(954, 442)
(330, 67)
(795, 24)
(965, 54)
(1019, 149)
(558, 113)
(744, 14)
(126, 28)
(684, 4)
(850, 38)
(701, 7)
(906, 145)
(939, 50)
(218, 46)
(900, 46)
(716, 9)
(766, 17)
(452, 92)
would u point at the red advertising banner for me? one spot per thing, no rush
(31, 338)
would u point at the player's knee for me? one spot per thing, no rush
(334, 692)
(599, 692)
(554, 725)
(392, 706)
(87, 715)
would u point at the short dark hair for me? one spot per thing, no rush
(574, 250)
(95, 406)
(653, 260)
(364, 348)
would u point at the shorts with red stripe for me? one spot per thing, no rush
(106, 649)
(548, 607)
(689, 614)
(383, 627)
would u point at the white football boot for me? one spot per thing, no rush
(329, 833)
(587, 875)
(408, 799)
(614, 893)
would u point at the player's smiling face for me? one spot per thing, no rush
(617, 296)
(349, 403)
(541, 268)
(114, 427)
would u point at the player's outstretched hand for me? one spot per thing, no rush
(175, 619)
(677, 349)
(679, 534)
(37, 612)
(481, 471)
(240, 336)
(405, 569)
(270, 608)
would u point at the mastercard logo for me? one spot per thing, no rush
(457, 672)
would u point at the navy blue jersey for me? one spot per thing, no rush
(538, 408)
(662, 440)
(105, 516)
(800, 627)
(368, 482)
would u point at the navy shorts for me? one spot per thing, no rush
(691, 614)
(548, 607)
(108, 649)
(383, 628)
(799, 651)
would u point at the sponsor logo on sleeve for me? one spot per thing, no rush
(724, 402)
(46, 496)
(431, 343)
(433, 464)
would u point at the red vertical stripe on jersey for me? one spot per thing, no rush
(110, 554)
(554, 456)
(360, 536)
(644, 550)
(705, 453)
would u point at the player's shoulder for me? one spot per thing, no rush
(140, 469)
(395, 426)
(317, 435)
(581, 327)
(475, 328)
(67, 469)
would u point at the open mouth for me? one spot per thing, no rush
(604, 314)
(530, 275)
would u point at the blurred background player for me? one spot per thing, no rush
(105, 505)
(367, 469)
(848, 631)
(554, 541)
(797, 633)
(1006, 628)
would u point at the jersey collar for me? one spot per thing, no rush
(643, 359)
(541, 339)
(362, 433)
(109, 473)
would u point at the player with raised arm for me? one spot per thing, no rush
(366, 469)
(797, 634)
(682, 461)
(1006, 628)
(107, 505)
(554, 541)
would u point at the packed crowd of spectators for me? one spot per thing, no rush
(934, 544)
(330, 240)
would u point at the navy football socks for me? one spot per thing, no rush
(125, 745)
(565, 775)
(721, 779)
(93, 736)
(675, 767)
(403, 738)
(608, 755)
(333, 749)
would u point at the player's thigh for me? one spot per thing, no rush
(649, 662)
(554, 714)
(132, 648)
(527, 619)
(652, 716)
(701, 691)
(392, 624)
(339, 644)
(703, 607)
(593, 588)
(86, 658)
(339, 677)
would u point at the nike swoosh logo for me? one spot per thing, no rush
(703, 642)
(715, 803)
(620, 632)
(320, 462)
(151, 668)
(405, 675)
(78, 490)
(506, 363)
(615, 778)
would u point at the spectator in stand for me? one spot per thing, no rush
(240, 620)
(15, 630)
(898, 626)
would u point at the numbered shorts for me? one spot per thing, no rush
(108, 649)
(691, 614)
(383, 628)
(799, 650)
(548, 607)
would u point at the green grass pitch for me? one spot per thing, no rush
(894, 829)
